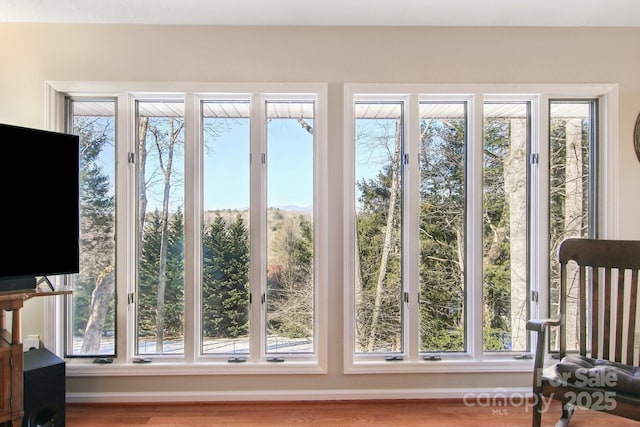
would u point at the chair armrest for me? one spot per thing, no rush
(539, 325)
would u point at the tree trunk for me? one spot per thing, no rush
(573, 219)
(515, 184)
(164, 238)
(100, 299)
(143, 127)
(386, 248)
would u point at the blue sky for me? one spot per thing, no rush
(289, 161)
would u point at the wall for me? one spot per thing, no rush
(34, 53)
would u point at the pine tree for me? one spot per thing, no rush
(148, 275)
(225, 278)
(90, 316)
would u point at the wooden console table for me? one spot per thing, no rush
(11, 392)
(11, 357)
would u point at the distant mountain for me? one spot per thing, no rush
(304, 209)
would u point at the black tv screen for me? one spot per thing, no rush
(39, 178)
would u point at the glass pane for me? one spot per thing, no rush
(378, 275)
(505, 225)
(571, 136)
(290, 275)
(160, 231)
(225, 233)
(442, 226)
(91, 310)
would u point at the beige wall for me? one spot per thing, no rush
(31, 54)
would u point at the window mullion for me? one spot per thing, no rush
(126, 221)
(411, 225)
(539, 176)
(474, 228)
(192, 240)
(257, 225)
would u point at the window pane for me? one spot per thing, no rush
(160, 231)
(225, 233)
(505, 225)
(290, 275)
(442, 226)
(570, 147)
(378, 275)
(91, 312)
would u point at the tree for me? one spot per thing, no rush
(164, 136)
(442, 231)
(569, 191)
(496, 245)
(377, 225)
(225, 278)
(290, 296)
(94, 286)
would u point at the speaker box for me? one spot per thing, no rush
(44, 389)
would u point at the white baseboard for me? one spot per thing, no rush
(496, 395)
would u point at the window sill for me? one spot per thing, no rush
(439, 366)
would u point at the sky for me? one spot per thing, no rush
(289, 165)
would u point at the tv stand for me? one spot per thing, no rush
(11, 356)
(11, 390)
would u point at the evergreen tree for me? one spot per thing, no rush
(148, 275)
(97, 207)
(225, 278)
(174, 292)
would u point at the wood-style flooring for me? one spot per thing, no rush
(388, 413)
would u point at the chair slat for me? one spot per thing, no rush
(633, 311)
(606, 316)
(562, 310)
(595, 311)
(619, 315)
(583, 310)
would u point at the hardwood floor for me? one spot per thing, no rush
(391, 413)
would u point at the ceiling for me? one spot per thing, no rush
(570, 13)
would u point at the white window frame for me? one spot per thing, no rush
(191, 362)
(474, 359)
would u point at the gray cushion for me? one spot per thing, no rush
(598, 373)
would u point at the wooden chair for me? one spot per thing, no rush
(601, 373)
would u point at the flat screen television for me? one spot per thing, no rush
(40, 208)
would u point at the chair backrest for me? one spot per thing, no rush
(606, 275)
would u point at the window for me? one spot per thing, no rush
(225, 231)
(442, 190)
(505, 222)
(218, 222)
(572, 178)
(90, 314)
(455, 201)
(159, 161)
(204, 217)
